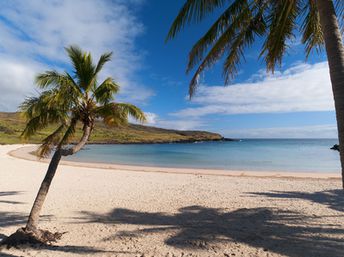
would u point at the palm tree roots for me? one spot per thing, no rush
(24, 236)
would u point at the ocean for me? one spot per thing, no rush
(297, 155)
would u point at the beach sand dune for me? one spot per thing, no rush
(125, 213)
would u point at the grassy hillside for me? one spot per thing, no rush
(11, 126)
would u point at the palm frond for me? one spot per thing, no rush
(219, 47)
(42, 121)
(282, 22)
(30, 107)
(65, 88)
(35, 106)
(131, 110)
(117, 114)
(32, 126)
(252, 27)
(50, 142)
(193, 11)
(76, 56)
(105, 91)
(48, 78)
(83, 66)
(39, 113)
(69, 132)
(104, 58)
(312, 34)
(73, 84)
(216, 30)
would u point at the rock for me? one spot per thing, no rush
(335, 147)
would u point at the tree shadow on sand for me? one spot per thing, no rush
(274, 230)
(18, 219)
(14, 218)
(7, 255)
(10, 218)
(333, 199)
(9, 193)
(82, 250)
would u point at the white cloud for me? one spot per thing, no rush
(151, 119)
(316, 131)
(16, 80)
(36, 31)
(311, 131)
(302, 87)
(180, 124)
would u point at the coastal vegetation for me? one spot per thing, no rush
(13, 124)
(65, 101)
(275, 23)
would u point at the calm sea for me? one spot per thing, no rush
(303, 155)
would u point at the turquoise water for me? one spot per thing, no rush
(303, 155)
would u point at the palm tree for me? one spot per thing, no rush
(66, 100)
(274, 21)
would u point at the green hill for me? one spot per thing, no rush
(11, 126)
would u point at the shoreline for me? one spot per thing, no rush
(24, 152)
(123, 213)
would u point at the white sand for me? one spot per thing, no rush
(119, 212)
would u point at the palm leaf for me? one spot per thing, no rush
(217, 29)
(218, 49)
(193, 11)
(29, 108)
(50, 142)
(131, 110)
(39, 122)
(104, 58)
(117, 114)
(254, 26)
(104, 93)
(76, 56)
(312, 34)
(282, 22)
(65, 90)
(69, 132)
(40, 113)
(84, 70)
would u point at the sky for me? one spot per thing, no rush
(295, 102)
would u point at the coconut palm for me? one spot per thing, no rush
(67, 100)
(275, 22)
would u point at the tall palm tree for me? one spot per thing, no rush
(66, 100)
(275, 22)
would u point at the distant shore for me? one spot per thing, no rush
(12, 124)
(180, 141)
(25, 152)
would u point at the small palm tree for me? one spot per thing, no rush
(66, 100)
(274, 21)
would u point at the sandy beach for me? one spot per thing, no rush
(142, 211)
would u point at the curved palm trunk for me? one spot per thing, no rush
(335, 56)
(33, 219)
(43, 191)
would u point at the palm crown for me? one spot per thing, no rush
(241, 23)
(68, 99)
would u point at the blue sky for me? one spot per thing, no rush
(294, 102)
